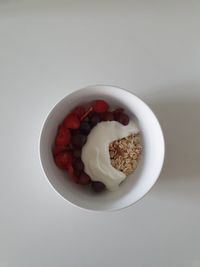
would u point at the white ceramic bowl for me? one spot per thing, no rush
(137, 184)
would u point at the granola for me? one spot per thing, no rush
(125, 153)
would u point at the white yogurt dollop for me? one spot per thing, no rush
(95, 153)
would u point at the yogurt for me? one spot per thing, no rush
(95, 153)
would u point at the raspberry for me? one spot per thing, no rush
(63, 137)
(100, 106)
(58, 149)
(107, 116)
(123, 119)
(70, 169)
(72, 121)
(79, 111)
(63, 159)
(71, 173)
(61, 129)
(118, 111)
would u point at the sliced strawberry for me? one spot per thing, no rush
(100, 106)
(79, 111)
(72, 121)
(63, 159)
(63, 137)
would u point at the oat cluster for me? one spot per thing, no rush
(125, 153)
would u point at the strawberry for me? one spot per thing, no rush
(72, 121)
(79, 111)
(58, 149)
(100, 106)
(63, 159)
(63, 137)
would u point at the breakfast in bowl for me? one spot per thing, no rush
(101, 148)
(97, 145)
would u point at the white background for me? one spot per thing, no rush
(50, 48)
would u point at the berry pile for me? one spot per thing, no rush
(72, 135)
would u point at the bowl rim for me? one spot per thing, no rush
(111, 209)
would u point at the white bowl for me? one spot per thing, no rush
(137, 184)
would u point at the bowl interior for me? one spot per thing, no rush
(137, 184)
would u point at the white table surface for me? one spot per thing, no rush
(50, 48)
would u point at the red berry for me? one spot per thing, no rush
(62, 129)
(58, 149)
(61, 126)
(72, 121)
(70, 169)
(100, 106)
(107, 116)
(63, 138)
(71, 173)
(118, 111)
(79, 111)
(63, 159)
(123, 119)
(84, 179)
